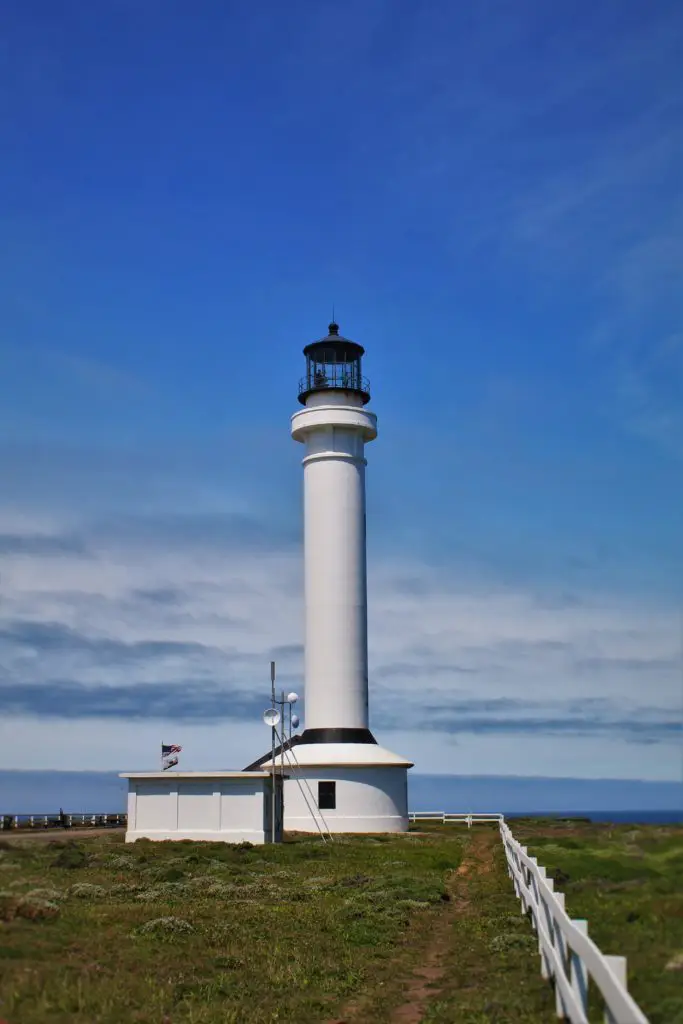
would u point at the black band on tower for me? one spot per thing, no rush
(337, 736)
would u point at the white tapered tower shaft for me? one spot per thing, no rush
(340, 777)
(334, 426)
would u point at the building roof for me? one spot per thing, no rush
(338, 755)
(195, 775)
(255, 765)
(334, 341)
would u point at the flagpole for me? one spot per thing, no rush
(282, 747)
(272, 740)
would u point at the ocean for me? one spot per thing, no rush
(617, 817)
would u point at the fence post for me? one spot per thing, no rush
(533, 885)
(559, 960)
(578, 975)
(546, 971)
(561, 948)
(617, 965)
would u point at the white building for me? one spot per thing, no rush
(340, 777)
(336, 776)
(229, 807)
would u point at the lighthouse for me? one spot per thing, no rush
(339, 774)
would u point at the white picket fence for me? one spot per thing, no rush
(453, 819)
(10, 821)
(569, 958)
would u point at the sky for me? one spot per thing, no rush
(490, 195)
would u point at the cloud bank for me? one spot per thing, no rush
(174, 622)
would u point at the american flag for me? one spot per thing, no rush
(169, 755)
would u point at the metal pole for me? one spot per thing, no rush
(282, 761)
(284, 733)
(272, 759)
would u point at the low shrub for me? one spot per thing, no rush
(511, 940)
(37, 910)
(53, 895)
(34, 909)
(123, 889)
(165, 927)
(87, 891)
(169, 875)
(120, 861)
(70, 856)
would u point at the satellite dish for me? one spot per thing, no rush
(295, 721)
(271, 717)
(292, 697)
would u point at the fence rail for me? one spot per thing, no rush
(446, 818)
(569, 958)
(43, 821)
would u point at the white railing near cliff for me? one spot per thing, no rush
(569, 959)
(22, 821)
(453, 819)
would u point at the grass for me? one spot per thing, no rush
(423, 927)
(490, 963)
(627, 882)
(183, 932)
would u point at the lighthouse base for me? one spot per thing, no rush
(344, 787)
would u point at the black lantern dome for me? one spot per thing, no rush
(334, 362)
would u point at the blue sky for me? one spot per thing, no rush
(490, 195)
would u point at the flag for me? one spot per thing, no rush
(168, 750)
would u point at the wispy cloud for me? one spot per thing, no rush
(40, 544)
(128, 626)
(551, 718)
(189, 701)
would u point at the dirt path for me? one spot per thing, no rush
(424, 985)
(475, 961)
(421, 964)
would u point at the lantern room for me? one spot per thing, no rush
(334, 362)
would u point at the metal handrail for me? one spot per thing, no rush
(68, 820)
(330, 380)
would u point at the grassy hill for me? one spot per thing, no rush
(421, 927)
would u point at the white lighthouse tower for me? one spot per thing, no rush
(339, 773)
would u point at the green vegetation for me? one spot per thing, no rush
(481, 965)
(96, 930)
(627, 882)
(423, 927)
